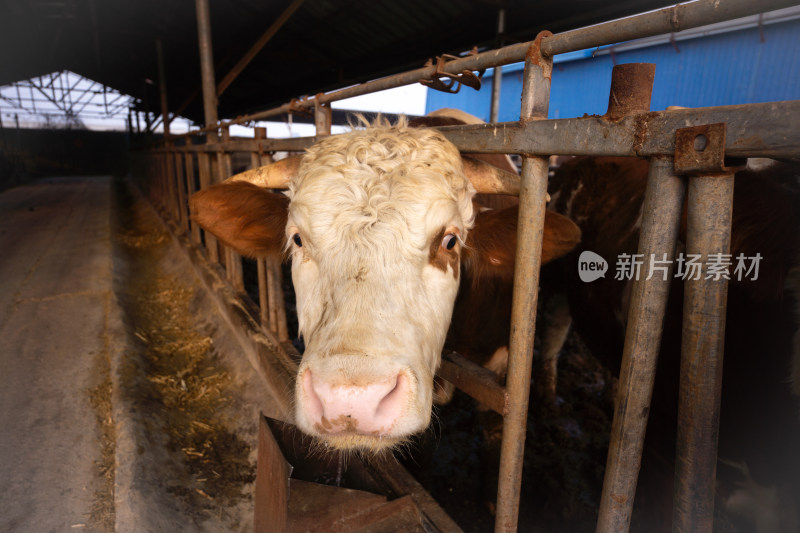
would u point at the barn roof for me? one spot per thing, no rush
(323, 45)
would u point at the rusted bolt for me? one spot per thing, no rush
(700, 143)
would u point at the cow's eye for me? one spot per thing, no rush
(297, 240)
(449, 241)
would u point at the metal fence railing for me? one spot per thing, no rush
(204, 157)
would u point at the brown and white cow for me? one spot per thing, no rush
(377, 222)
(760, 421)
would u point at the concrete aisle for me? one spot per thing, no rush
(127, 403)
(55, 291)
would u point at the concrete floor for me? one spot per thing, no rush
(55, 292)
(88, 440)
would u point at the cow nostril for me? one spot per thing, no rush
(313, 402)
(391, 404)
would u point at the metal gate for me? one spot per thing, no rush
(688, 145)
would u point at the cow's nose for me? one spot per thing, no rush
(371, 408)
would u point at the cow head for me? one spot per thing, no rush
(375, 222)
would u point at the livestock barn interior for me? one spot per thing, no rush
(148, 369)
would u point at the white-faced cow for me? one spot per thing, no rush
(378, 223)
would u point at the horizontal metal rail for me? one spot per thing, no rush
(753, 130)
(668, 20)
(765, 130)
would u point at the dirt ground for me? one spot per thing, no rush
(193, 403)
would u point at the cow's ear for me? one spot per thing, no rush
(248, 218)
(492, 242)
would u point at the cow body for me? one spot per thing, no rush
(377, 224)
(760, 421)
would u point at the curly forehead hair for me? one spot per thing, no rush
(381, 152)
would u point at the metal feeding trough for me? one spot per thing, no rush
(303, 488)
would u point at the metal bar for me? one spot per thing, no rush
(257, 47)
(171, 192)
(708, 232)
(162, 86)
(497, 77)
(668, 20)
(207, 65)
(660, 225)
(181, 199)
(754, 130)
(204, 170)
(627, 95)
(532, 204)
(192, 188)
(263, 296)
(673, 19)
(274, 294)
(233, 262)
(475, 380)
(276, 289)
(263, 286)
(323, 119)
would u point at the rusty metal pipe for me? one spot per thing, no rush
(192, 188)
(667, 20)
(626, 97)
(753, 130)
(708, 232)
(323, 118)
(497, 77)
(233, 261)
(532, 205)
(631, 88)
(204, 172)
(162, 86)
(661, 215)
(477, 381)
(207, 65)
(181, 198)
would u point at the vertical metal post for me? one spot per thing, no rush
(209, 105)
(181, 198)
(206, 63)
(497, 77)
(631, 89)
(661, 214)
(233, 262)
(532, 202)
(262, 263)
(708, 232)
(192, 188)
(323, 118)
(172, 189)
(162, 87)
(204, 172)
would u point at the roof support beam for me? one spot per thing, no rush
(206, 62)
(162, 86)
(256, 48)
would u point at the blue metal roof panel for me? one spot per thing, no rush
(721, 69)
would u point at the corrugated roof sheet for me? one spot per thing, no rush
(719, 69)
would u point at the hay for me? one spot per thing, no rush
(175, 375)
